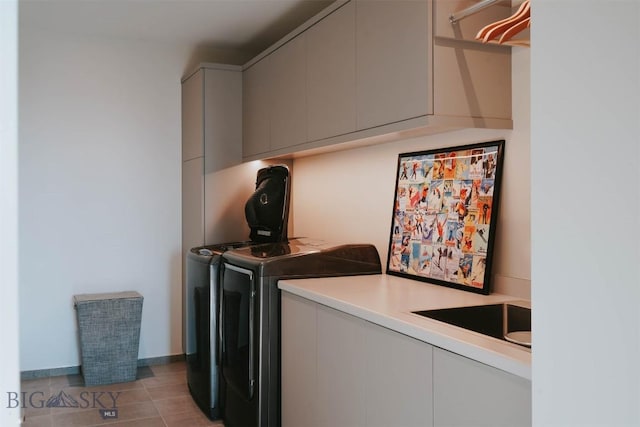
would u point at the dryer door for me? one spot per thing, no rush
(237, 329)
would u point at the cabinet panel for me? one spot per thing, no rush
(288, 97)
(472, 80)
(331, 75)
(374, 69)
(298, 354)
(468, 393)
(223, 119)
(363, 374)
(360, 375)
(341, 370)
(192, 119)
(399, 381)
(211, 138)
(192, 204)
(256, 93)
(392, 61)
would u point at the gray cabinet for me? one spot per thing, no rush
(397, 386)
(299, 355)
(211, 138)
(302, 89)
(338, 370)
(469, 393)
(222, 117)
(288, 94)
(212, 116)
(392, 47)
(331, 75)
(256, 97)
(341, 366)
(192, 203)
(371, 71)
(274, 103)
(192, 117)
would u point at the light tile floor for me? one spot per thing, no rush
(159, 398)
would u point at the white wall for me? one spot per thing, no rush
(347, 196)
(9, 360)
(585, 127)
(99, 195)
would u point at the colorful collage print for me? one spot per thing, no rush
(442, 215)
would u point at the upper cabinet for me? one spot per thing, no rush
(192, 117)
(331, 75)
(211, 138)
(392, 61)
(275, 101)
(212, 116)
(256, 97)
(366, 71)
(289, 98)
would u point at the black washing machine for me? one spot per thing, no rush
(250, 317)
(267, 212)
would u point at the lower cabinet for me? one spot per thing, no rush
(398, 382)
(299, 355)
(340, 370)
(469, 393)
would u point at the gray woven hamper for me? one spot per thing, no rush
(109, 327)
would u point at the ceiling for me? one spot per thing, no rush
(247, 26)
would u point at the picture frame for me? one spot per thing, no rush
(444, 216)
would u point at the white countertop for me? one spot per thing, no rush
(388, 301)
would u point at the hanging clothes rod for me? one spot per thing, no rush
(458, 16)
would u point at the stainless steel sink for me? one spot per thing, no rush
(510, 321)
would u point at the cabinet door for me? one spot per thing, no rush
(288, 94)
(469, 393)
(222, 119)
(331, 75)
(341, 369)
(392, 61)
(192, 118)
(398, 379)
(256, 108)
(298, 356)
(192, 204)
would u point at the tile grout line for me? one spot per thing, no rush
(71, 383)
(153, 402)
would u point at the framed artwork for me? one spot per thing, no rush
(444, 215)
